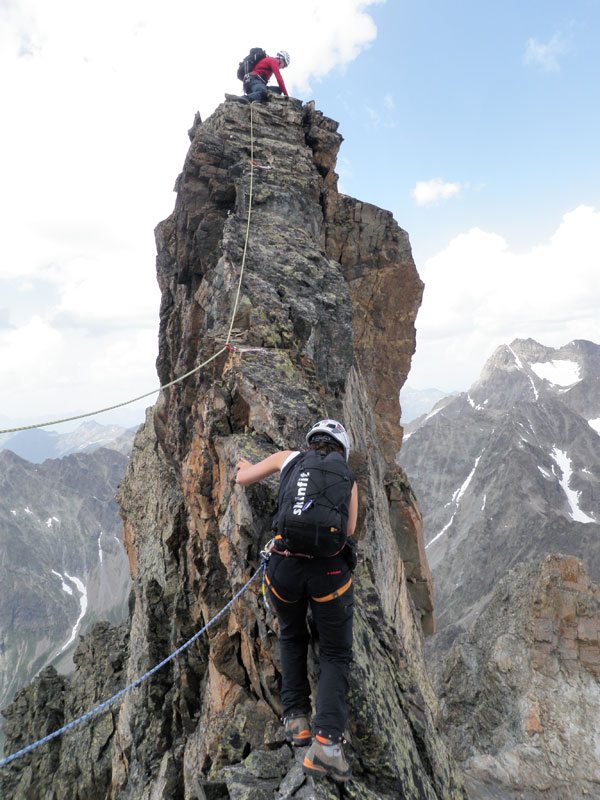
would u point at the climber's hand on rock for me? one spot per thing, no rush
(243, 464)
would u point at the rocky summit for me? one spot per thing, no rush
(323, 326)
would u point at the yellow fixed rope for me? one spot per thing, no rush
(204, 363)
(237, 296)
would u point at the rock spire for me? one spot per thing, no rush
(324, 327)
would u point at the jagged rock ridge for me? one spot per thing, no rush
(508, 471)
(506, 474)
(38, 444)
(520, 692)
(329, 298)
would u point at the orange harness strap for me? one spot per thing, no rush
(324, 599)
(272, 588)
(335, 594)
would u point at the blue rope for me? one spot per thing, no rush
(137, 682)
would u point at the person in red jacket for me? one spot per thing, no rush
(255, 82)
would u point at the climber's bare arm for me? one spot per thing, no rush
(353, 510)
(248, 473)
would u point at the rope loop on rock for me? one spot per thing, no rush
(253, 164)
(137, 682)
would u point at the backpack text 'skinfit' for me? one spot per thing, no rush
(314, 500)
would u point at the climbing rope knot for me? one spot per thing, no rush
(260, 166)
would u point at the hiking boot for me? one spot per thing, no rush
(297, 728)
(324, 757)
(240, 99)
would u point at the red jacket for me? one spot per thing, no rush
(269, 66)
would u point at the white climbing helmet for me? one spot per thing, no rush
(334, 430)
(285, 55)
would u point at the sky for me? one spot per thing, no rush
(475, 123)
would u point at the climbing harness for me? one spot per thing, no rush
(137, 682)
(253, 165)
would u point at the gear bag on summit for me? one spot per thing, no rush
(313, 505)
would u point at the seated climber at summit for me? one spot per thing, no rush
(255, 82)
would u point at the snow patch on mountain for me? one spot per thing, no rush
(442, 532)
(456, 497)
(559, 373)
(595, 424)
(565, 466)
(520, 365)
(475, 405)
(64, 586)
(518, 361)
(458, 494)
(83, 604)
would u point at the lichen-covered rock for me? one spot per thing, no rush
(323, 326)
(77, 764)
(520, 693)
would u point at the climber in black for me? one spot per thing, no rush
(310, 565)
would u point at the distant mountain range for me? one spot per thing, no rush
(38, 444)
(508, 472)
(417, 402)
(62, 561)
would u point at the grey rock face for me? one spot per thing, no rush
(520, 693)
(79, 765)
(63, 566)
(508, 472)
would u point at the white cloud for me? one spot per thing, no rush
(546, 56)
(480, 294)
(427, 193)
(372, 115)
(93, 135)
(26, 351)
(389, 102)
(101, 293)
(344, 171)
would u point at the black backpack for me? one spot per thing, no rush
(247, 65)
(313, 505)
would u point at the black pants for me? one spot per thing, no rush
(325, 584)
